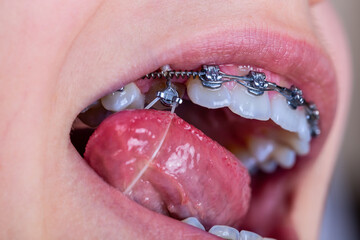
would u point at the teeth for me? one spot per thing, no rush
(303, 129)
(284, 156)
(225, 232)
(246, 235)
(194, 222)
(283, 115)
(130, 97)
(261, 148)
(206, 97)
(268, 166)
(246, 159)
(300, 146)
(248, 105)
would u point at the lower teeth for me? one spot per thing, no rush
(225, 232)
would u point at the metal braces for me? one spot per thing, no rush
(168, 97)
(255, 82)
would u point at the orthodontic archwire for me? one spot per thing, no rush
(168, 97)
(255, 82)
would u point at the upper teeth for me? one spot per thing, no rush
(282, 149)
(248, 105)
(264, 153)
(200, 95)
(129, 97)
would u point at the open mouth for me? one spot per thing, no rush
(195, 166)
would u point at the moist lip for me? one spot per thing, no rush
(310, 79)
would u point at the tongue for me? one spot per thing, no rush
(170, 167)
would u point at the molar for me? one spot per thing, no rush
(130, 97)
(206, 97)
(248, 105)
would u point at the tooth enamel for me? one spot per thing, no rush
(193, 222)
(303, 129)
(283, 115)
(284, 156)
(225, 232)
(301, 147)
(246, 235)
(130, 97)
(261, 148)
(206, 97)
(248, 105)
(292, 140)
(268, 166)
(246, 159)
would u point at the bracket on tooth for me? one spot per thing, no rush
(211, 77)
(255, 82)
(169, 97)
(293, 96)
(258, 85)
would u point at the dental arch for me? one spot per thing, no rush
(255, 82)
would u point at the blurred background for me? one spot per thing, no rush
(342, 211)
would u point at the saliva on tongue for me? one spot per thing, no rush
(168, 166)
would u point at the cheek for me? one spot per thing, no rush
(334, 41)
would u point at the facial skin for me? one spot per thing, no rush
(58, 56)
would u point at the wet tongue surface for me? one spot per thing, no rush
(168, 166)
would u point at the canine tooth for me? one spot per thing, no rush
(248, 105)
(268, 166)
(261, 148)
(225, 232)
(246, 235)
(284, 156)
(130, 97)
(193, 221)
(206, 97)
(283, 115)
